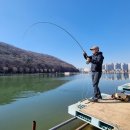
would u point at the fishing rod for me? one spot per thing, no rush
(34, 24)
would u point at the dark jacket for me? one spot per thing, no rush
(96, 62)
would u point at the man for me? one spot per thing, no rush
(96, 61)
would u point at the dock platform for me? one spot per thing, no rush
(107, 114)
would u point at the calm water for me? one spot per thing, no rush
(45, 98)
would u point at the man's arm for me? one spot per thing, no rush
(85, 55)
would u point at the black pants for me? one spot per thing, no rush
(95, 80)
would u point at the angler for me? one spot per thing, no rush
(96, 61)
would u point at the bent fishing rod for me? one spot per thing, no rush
(63, 29)
(34, 24)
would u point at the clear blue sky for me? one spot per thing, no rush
(105, 23)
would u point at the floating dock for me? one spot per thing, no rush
(107, 114)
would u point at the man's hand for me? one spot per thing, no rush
(88, 60)
(85, 55)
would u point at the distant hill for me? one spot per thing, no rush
(16, 60)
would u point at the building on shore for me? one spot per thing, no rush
(85, 70)
(129, 67)
(110, 68)
(116, 68)
(124, 67)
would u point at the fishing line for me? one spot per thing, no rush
(34, 24)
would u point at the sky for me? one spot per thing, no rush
(105, 23)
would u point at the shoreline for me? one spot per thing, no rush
(45, 74)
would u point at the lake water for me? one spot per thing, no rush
(45, 98)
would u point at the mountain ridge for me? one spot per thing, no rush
(16, 60)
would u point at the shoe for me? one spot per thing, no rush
(100, 97)
(93, 100)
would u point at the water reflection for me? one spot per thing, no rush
(13, 87)
(119, 76)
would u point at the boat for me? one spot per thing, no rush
(124, 87)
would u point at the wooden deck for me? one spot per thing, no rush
(110, 111)
(106, 112)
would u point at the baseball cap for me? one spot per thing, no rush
(94, 47)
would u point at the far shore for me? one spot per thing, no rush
(56, 74)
